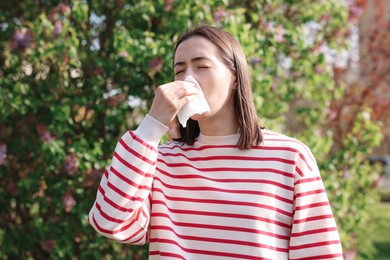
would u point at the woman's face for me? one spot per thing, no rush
(197, 57)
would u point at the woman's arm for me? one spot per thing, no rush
(314, 233)
(122, 207)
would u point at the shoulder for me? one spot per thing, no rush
(303, 154)
(272, 138)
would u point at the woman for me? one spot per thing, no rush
(225, 188)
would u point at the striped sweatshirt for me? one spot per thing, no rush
(211, 200)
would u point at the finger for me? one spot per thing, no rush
(185, 100)
(186, 89)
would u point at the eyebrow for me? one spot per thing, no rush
(192, 60)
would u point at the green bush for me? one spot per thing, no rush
(75, 76)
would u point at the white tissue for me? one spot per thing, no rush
(197, 106)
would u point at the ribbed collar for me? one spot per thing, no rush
(217, 140)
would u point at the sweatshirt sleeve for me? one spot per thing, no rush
(314, 233)
(121, 210)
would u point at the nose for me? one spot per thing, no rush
(188, 72)
(189, 78)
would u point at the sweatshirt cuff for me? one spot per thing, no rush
(151, 130)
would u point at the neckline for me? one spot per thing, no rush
(218, 139)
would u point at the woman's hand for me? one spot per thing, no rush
(170, 98)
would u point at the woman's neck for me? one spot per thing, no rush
(218, 126)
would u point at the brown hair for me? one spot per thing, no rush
(234, 58)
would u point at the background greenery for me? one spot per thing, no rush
(381, 239)
(75, 75)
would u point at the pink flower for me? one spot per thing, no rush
(65, 9)
(279, 33)
(270, 27)
(70, 164)
(168, 5)
(332, 114)
(156, 64)
(219, 14)
(22, 38)
(355, 11)
(69, 202)
(3, 153)
(44, 133)
(57, 28)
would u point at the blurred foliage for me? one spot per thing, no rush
(75, 75)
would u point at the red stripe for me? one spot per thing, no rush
(201, 148)
(138, 213)
(127, 180)
(313, 179)
(150, 196)
(167, 254)
(124, 195)
(195, 176)
(138, 241)
(315, 218)
(303, 146)
(128, 240)
(313, 205)
(226, 157)
(206, 147)
(299, 171)
(221, 214)
(314, 231)
(145, 215)
(307, 193)
(219, 240)
(112, 232)
(291, 150)
(113, 204)
(317, 244)
(206, 252)
(207, 188)
(133, 168)
(328, 256)
(232, 169)
(226, 202)
(271, 148)
(106, 231)
(109, 218)
(150, 147)
(305, 161)
(138, 155)
(217, 227)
